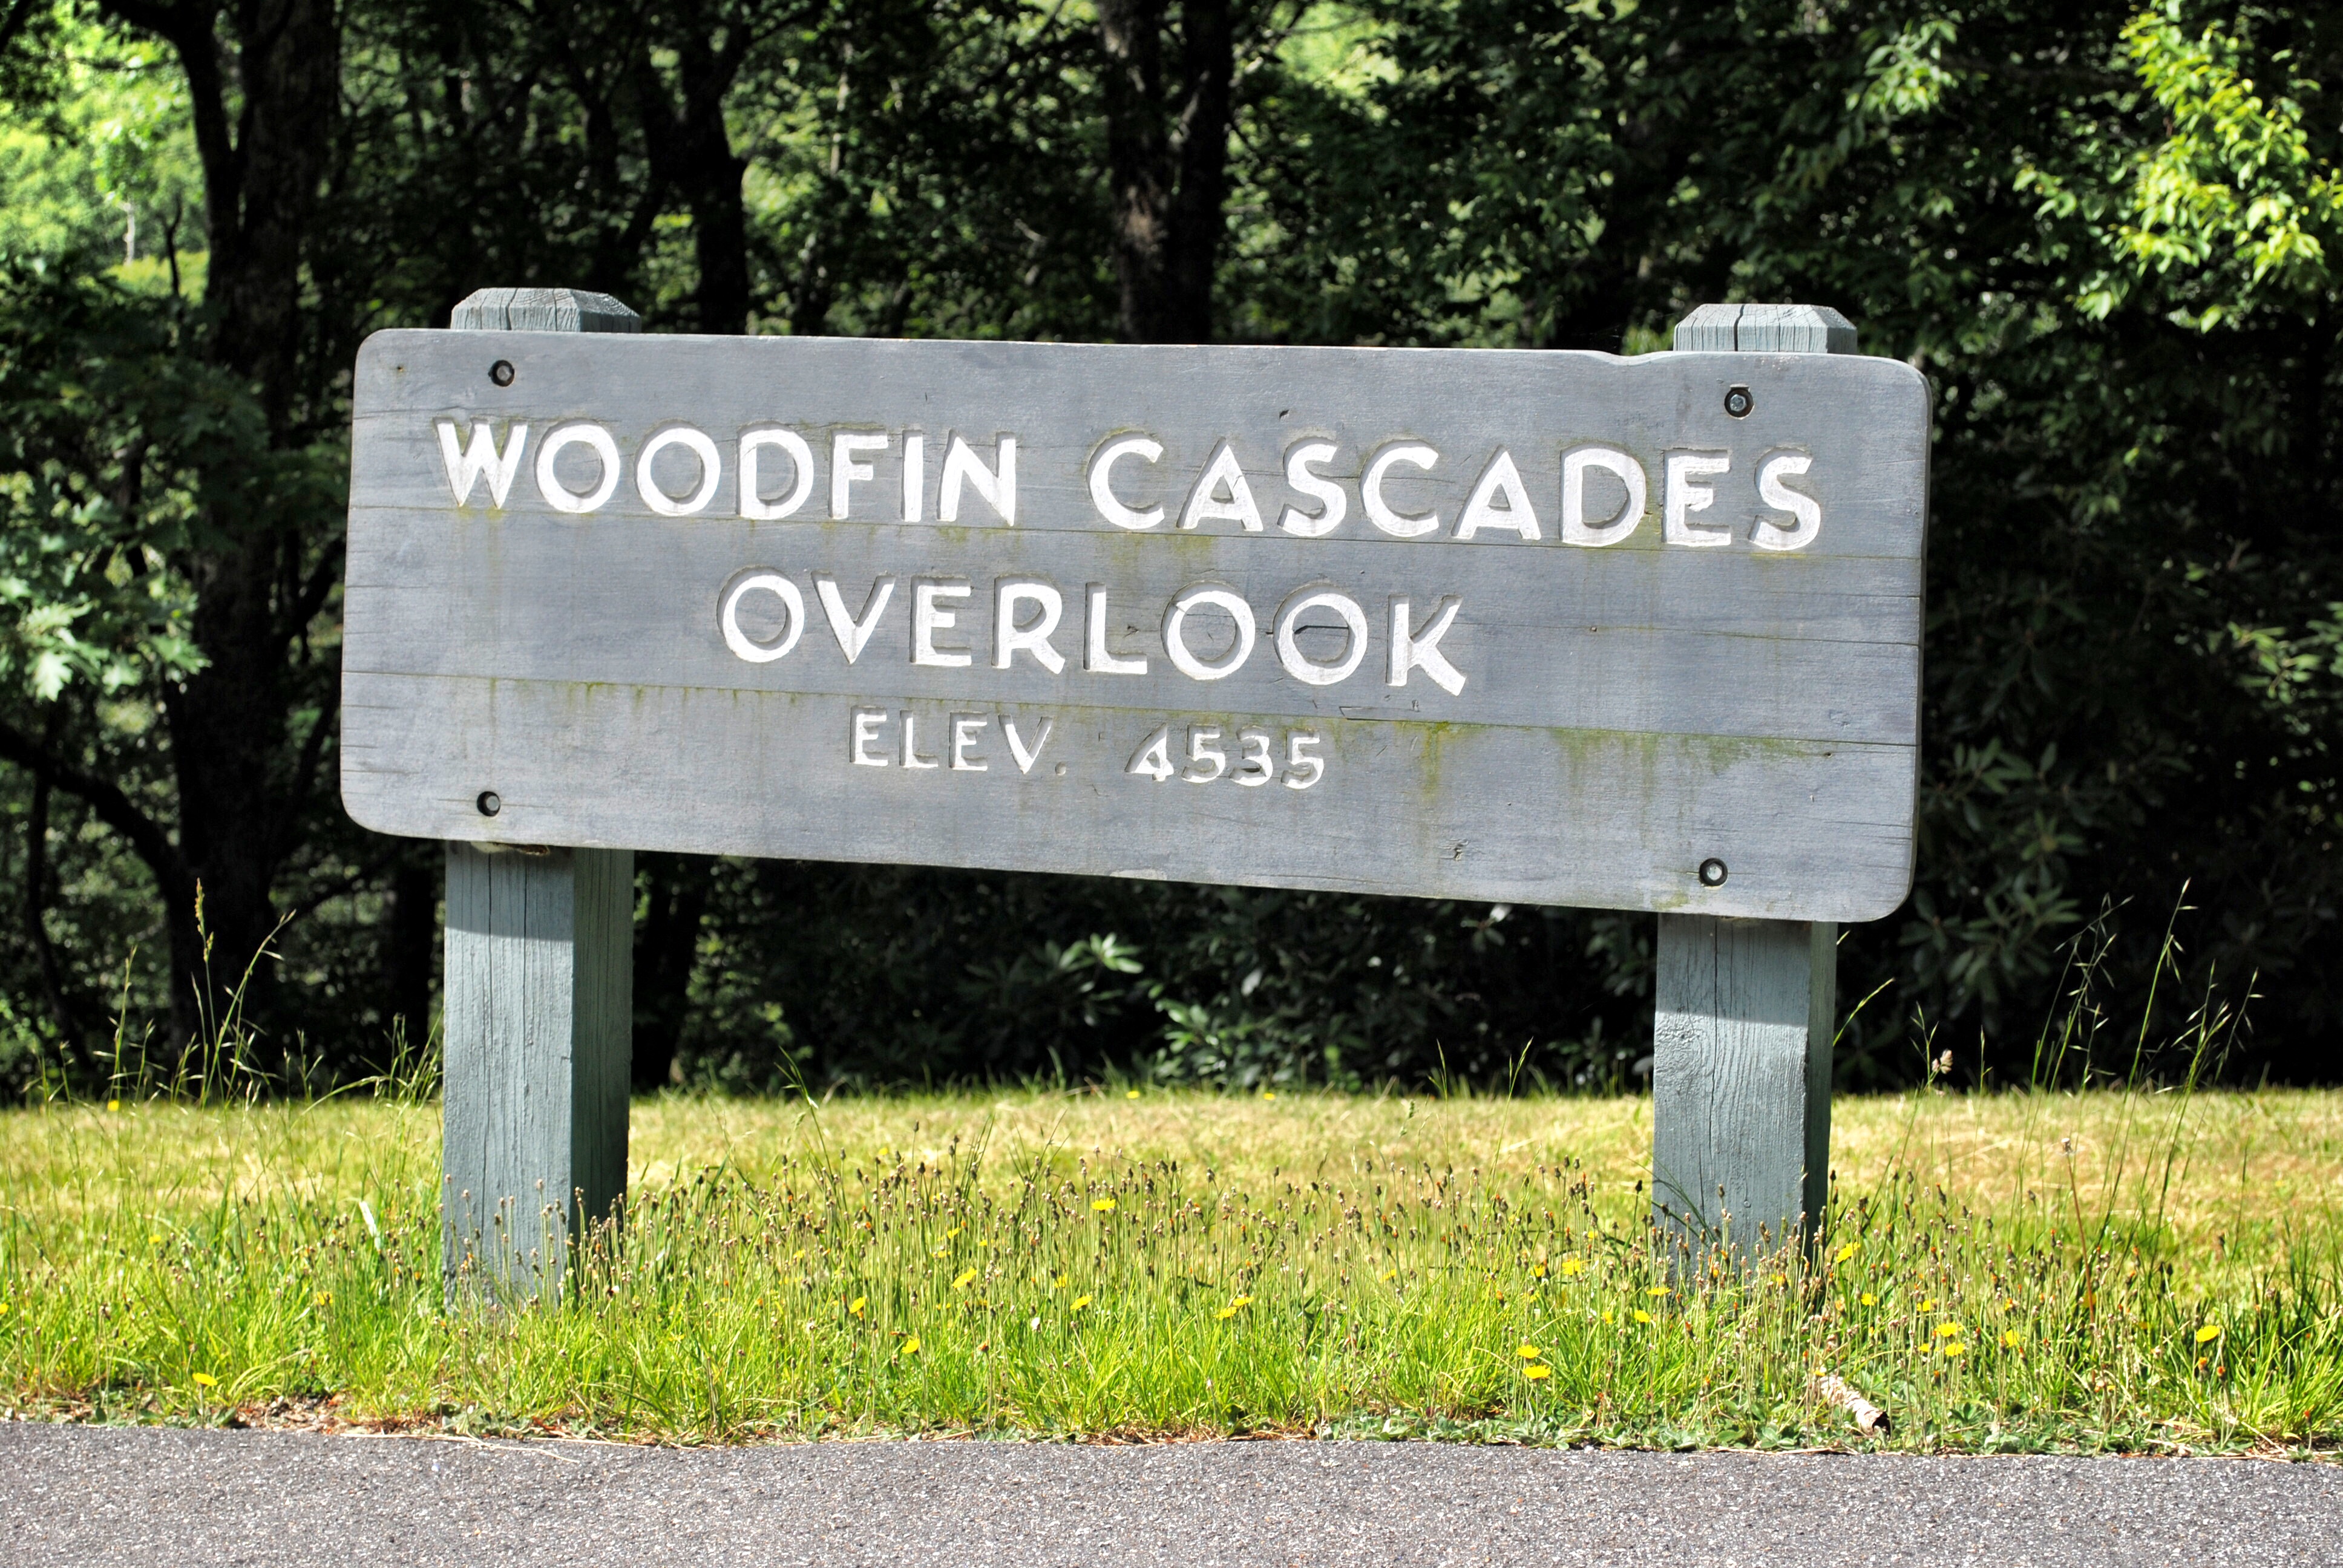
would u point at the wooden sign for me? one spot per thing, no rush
(1552, 627)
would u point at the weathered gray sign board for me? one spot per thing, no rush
(1552, 627)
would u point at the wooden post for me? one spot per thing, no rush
(538, 1017)
(1745, 1009)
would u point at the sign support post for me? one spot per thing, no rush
(537, 1022)
(1745, 1009)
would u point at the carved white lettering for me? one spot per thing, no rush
(1303, 769)
(1010, 638)
(1256, 765)
(711, 472)
(753, 504)
(912, 757)
(1207, 503)
(997, 484)
(964, 727)
(1153, 758)
(1575, 529)
(1333, 502)
(1499, 481)
(481, 457)
(1095, 657)
(867, 721)
(1770, 535)
(1175, 642)
(728, 620)
(1686, 495)
(560, 496)
(1399, 525)
(1420, 649)
(1203, 753)
(915, 476)
(929, 617)
(844, 471)
(853, 633)
(1102, 494)
(1289, 646)
(1017, 748)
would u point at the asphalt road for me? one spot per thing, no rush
(95, 1495)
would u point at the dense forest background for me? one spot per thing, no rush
(2108, 232)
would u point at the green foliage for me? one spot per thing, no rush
(2106, 232)
(1184, 1264)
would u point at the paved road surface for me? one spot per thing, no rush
(91, 1496)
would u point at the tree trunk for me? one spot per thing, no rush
(1167, 157)
(690, 151)
(664, 954)
(256, 571)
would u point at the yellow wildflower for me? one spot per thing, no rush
(1060, 1284)
(1537, 1372)
(322, 1299)
(1527, 1352)
(1929, 1305)
(1390, 1274)
(1130, 1094)
(1947, 1330)
(950, 1233)
(1952, 1348)
(1609, 1319)
(2012, 1340)
(910, 1346)
(205, 1380)
(1538, 1272)
(1657, 1290)
(1869, 1300)
(1849, 1250)
(1573, 1266)
(859, 1302)
(114, 1105)
(1269, 1095)
(2208, 1333)
(1081, 1302)
(966, 1277)
(1642, 1316)
(1104, 1205)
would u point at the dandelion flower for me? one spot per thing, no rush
(859, 1302)
(1226, 1313)
(1081, 1302)
(1538, 1272)
(2012, 1340)
(1849, 1250)
(1947, 1330)
(1130, 1094)
(1104, 1205)
(966, 1277)
(322, 1299)
(1527, 1352)
(1269, 1095)
(154, 1241)
(910, 1346)
(1869, 1300)
(950, 1233)
(4, 1308)
(1535, 1374)
(1952, 1348)
(1642, 1316)
(1390, 1274)
(1609, 1319)
(2208, 1333)
(204, 1379)
(114, 1105)
(1929, 1305)
(798, 1255)
(1657, 1290)
(1573, 1266)
(1058, 1283)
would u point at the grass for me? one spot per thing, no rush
(2108, 1270)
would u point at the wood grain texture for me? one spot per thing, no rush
(1766, 329)
(1741, 1077)
(1745, 1012)
(539, 1021)
(1627, 713)
(541, 310)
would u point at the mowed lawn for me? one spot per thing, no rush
(2113, 1270)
